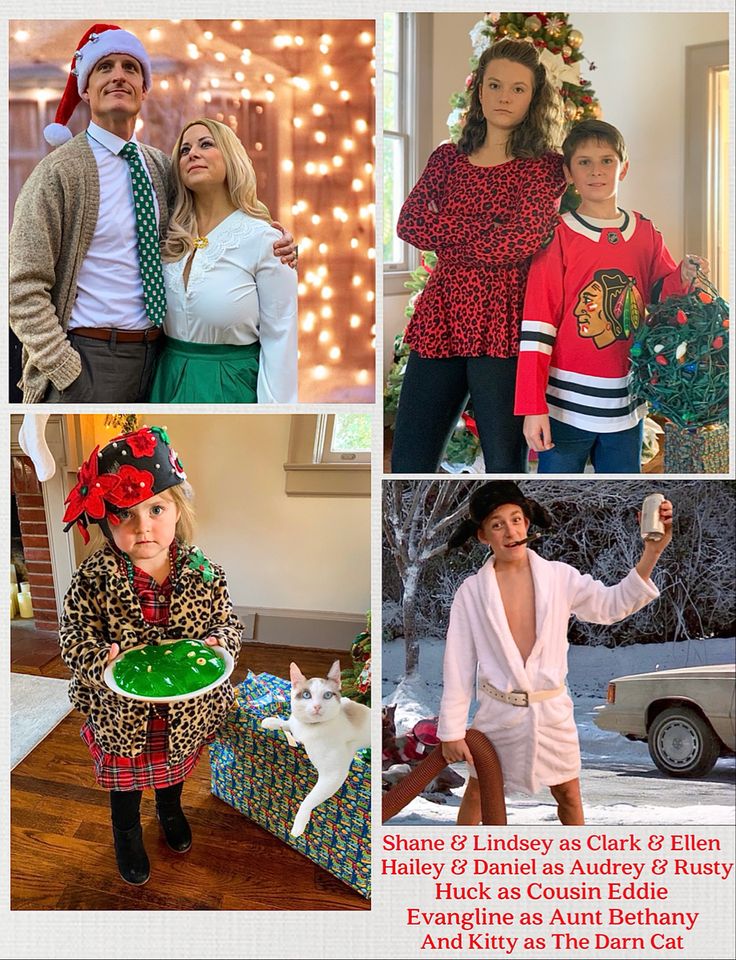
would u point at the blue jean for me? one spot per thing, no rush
(608, 452)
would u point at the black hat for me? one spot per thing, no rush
(127, 471)
(490, 497)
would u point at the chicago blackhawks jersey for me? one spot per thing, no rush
(585, 299)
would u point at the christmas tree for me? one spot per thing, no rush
(356, 679)
(559, 44)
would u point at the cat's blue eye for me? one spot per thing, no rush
(306, 695)
(328, 695)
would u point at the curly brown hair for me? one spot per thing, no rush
(540, 130)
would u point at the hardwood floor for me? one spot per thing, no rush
(61, 840)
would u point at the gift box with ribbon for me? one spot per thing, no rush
(261, 775)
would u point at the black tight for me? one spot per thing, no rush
(125, 805)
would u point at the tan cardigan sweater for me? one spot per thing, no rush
(54, 221)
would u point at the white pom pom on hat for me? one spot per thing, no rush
(56, 134)
(101, 40)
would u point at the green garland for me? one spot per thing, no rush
(679, 358)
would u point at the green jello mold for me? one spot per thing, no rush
(170, 670)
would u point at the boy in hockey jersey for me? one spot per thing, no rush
(584, 301)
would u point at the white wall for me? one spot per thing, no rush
(452, 52)
(640, 82)
(294, 553)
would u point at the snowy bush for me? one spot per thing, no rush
(596, 530)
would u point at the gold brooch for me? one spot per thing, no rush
(200, 242)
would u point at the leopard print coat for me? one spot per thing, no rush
(101, 608)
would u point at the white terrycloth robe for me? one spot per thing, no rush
(537, 745)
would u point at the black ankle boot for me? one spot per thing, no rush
(174, 824)
(131, 855)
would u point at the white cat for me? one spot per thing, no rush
(331, 728)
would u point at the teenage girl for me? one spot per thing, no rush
(484, 207)
(144, 586)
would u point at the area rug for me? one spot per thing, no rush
(37, 705)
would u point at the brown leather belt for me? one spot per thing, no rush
(121, 336)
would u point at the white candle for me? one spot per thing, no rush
(25, 605)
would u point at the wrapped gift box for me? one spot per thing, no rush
(258, 773)
(703, 450)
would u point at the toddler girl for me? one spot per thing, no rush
(146, 585)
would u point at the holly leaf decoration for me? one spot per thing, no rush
(200, 564)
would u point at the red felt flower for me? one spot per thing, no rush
(91, 491)
(142, 443)
(134, 486)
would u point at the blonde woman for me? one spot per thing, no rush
(231, 320)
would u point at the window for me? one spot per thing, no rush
(329, 455)
(718, 209)
(344, 438)
(396, 119)
(707, 199)
(407, 131)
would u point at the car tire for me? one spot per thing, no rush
(682, 743)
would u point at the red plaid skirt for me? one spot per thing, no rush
(149, 769)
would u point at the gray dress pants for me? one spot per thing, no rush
(112, 372)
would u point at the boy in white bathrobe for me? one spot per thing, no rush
(508, 625)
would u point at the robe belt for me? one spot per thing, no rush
(520, 698)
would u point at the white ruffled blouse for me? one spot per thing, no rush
(239, 293)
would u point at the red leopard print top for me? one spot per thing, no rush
(490, 222)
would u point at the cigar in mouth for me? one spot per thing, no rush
(532, 536)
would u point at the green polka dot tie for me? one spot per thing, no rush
(149, 254)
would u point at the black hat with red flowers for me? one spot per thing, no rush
(130, 469)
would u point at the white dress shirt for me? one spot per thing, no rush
(109, 288)
(238, 293)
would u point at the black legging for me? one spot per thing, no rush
(125, 805)
(433, 396)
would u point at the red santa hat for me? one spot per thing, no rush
(101, 40)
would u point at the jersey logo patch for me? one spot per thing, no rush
(608, 308)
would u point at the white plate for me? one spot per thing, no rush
(220, 651)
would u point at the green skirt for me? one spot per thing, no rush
(206, 373)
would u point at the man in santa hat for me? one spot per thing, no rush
(86, 285)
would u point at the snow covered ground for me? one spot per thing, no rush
(620, 783)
